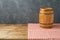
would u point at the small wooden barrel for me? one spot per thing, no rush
(46, 17)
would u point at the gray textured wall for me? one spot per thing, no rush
(25, 11)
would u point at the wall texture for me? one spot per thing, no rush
(26, 11)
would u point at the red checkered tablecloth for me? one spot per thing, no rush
(38, 33)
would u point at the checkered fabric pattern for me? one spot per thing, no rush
(35, 32)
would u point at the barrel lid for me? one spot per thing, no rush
(46, 9)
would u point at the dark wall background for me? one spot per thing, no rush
(26, 11)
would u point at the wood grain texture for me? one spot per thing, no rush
(13, 31)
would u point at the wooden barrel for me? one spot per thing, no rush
(46, 17)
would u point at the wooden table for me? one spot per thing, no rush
(35, 32)
(13, 31)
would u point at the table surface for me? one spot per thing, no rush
(29, 31)
(36, 32)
